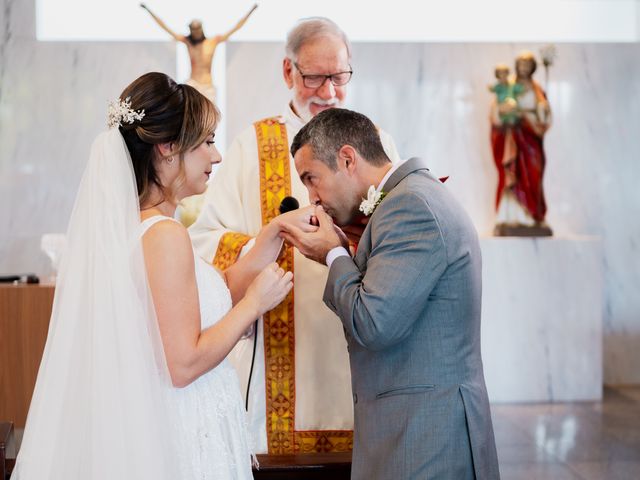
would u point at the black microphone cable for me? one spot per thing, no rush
(253, 359)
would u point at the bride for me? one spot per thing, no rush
(133, 382)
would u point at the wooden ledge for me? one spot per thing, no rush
(308, 466)
(6, 449)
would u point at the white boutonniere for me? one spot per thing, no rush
(370, 203)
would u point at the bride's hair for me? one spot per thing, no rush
(173, 113)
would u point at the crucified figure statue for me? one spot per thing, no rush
(201, 50)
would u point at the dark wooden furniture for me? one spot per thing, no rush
(24, 322)
(311, 466)
(7, 450)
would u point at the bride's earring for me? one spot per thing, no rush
(170, 160)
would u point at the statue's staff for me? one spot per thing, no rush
(548, 53)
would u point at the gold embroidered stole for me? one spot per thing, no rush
(229, 248)
(279, 327)
(278, 324)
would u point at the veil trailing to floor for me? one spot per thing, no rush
(100, 409)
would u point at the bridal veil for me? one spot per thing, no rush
(99, 409)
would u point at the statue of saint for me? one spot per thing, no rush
(520, 117)
(201, 50)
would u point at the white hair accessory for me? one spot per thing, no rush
(120, 111)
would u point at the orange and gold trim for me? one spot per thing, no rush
(279, 329)
(229, 248)
(323, 441)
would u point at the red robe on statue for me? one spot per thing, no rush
(519, 155)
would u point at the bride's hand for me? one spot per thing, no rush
(269, 288)
(301, 218)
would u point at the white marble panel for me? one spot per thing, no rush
(433, 99)
(542, 308)
(53, 102)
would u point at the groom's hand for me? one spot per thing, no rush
(315, 245)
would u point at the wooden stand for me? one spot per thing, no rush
(311, 466)
(7, 450)
(25, 311)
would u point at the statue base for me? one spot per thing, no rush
(542, 311)
(519, 230)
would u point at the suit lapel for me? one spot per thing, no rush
(407, 168)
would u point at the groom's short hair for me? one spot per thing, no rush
(331, 129)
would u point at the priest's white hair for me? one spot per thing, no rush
(307, 29)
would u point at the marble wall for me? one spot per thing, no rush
(431, 97)
(53, 102)
(538, 343)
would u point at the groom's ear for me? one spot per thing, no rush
(348, 159)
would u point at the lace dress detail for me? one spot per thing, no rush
(211, 422)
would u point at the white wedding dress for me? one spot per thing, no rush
(210, 429)
(103, 406)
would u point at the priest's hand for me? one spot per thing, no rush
(315, 245)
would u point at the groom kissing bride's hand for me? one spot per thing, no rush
(315, 244)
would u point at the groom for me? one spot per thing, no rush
(409, 301)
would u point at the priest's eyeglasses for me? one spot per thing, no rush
(317, 80)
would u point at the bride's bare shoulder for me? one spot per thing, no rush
(167, 237)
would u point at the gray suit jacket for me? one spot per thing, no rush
(409, 302)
